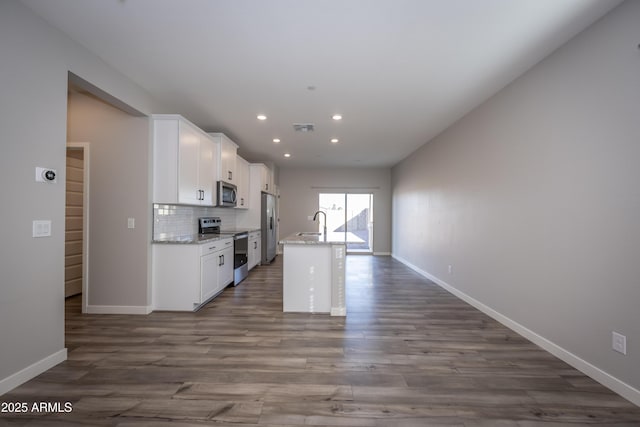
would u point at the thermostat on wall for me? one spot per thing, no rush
(46, 175)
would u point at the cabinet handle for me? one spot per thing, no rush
(222, 259)
(266, 186)
(255, 245)
(219, 260)
(230, 175)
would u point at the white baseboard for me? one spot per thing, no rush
(620, 387)
(32, 371)
(382, 253)
(338, 311)
(119, 309)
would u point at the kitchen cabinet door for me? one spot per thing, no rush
(255, 250)
(189, 191)
(242, 171)
(225, 266)
(206, 171)
(184, 162)
(265, 182)
(209, 285)
(226, 158)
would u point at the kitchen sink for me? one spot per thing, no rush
(309, 233)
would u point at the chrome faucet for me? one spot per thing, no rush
(325, 221)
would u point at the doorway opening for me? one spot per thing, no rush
(349, 219)
(76, 245)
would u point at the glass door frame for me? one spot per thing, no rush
(345, 220)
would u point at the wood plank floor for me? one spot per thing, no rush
(408, 354)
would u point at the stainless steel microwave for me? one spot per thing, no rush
(226, 194)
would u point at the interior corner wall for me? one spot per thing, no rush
(533, 200)
(36, 60)
(299, 189)
(119, 147)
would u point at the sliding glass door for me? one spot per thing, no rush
(349, 219)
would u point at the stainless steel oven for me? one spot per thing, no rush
(241, 257)
(211, 225)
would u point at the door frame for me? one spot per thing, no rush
(85, 147)
(346, 194)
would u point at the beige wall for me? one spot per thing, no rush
(36, 60)
(118, 190)
(533, 199)
(299, 189)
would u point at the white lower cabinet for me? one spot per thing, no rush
(255, 249)
(225, 268)
(185, 276)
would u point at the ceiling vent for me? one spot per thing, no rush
(303, 127)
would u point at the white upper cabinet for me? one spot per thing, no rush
(184, 167)
(265, 178)
(227, 153)
(242, 171)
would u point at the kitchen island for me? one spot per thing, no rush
(313, 274)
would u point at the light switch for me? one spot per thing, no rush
(41, 228)
(131, 223)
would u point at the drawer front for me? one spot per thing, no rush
(215, 246)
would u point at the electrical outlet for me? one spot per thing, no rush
(619, 342)
(310, 218)
(131, 223)
(450, 269)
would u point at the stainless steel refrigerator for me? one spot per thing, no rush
(268, 225)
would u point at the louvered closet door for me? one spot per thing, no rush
(74, 222)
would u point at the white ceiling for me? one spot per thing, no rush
(399, 71)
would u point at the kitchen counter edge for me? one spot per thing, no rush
(295, 239)
(199, 239)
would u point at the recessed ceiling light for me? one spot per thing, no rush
(337, 117)
(287, 155)
(276, 140)
(334, 140)
(262, 117)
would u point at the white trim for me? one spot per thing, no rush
(382, 254)
(86, 156)
(618, 386)
(32, 371)
(119, 309)
(338, 311)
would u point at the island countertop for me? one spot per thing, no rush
(313, 238)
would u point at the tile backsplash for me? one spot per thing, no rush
(179, 221)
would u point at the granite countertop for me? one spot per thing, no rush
(197, 239)
(313, 238)
(194, 239)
